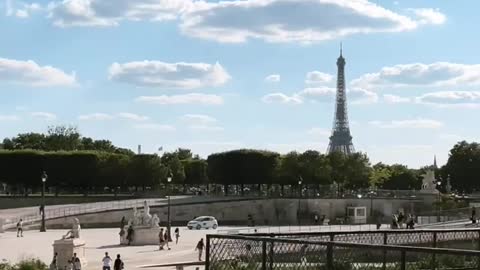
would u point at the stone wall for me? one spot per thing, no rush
(7, 202)
(264, 212)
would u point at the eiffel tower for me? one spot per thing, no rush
(341, 139)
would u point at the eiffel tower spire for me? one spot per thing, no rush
(341, 139)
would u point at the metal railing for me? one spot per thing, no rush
(229, 252)
(67, 211)
(464, 238)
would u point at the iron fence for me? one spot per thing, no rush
(459, 238)
(229, 252)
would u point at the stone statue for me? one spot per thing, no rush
(146, 217)
(75, 231)
(155, 221)
(136, 219)
(428, 181)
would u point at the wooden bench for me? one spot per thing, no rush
(177, 265)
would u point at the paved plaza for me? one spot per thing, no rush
(99, 241)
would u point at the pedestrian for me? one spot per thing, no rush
(473, 218)
(200, 247)
(177, 235)
(20, 228)
(77, 265)
(167, 238)
(107, 262)
(118, 264)
(316, 219)
(53, 264)
(130, 233)
(161, 240)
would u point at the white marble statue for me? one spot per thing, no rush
(155, 221)
(75, 231)
(428, 181)
(146, 217)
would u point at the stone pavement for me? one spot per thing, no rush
(99, 241)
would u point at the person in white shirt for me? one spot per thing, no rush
(107, 262)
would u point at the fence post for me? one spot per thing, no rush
(207, 253)
(271, 255)
(329, 256)
(434, 259)
(403, 260)
(385, 241)
(264, 255)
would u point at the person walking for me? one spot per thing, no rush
(107, 262)
(161, 239)
(118, 264)
(130, 233)
(167, 239)
(53, 264)
(77, 265)
(20, 228)
(316, 219)
(177, 235)
(199, 248)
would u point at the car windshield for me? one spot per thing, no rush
(202, 219)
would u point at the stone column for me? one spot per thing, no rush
(2, 221)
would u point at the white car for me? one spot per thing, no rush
(203, 222)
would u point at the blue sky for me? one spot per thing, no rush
(214, 76)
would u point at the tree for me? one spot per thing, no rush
(401, 178)
(62, 138)
(463, 166)
(35, 141)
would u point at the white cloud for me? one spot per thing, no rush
(69, 13)
(403, 124)
(395, 99)
(154, 127)
(321, 94)
(418, 74)
(429, 15)
(169, 75)
(192, 98)
(319, 132)
(21, 13)
(5, 118)
(318, 94)
(198, 119)
(133, 116)
(206, 128)
(455, 99)
(281, 98)
(274, 21)
(44, 115)
(362, 96)
(95, 117)
(30, 73)
(272, 78)
(317, 77)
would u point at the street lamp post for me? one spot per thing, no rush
(300, 186)
(44, 179)
(169, 179)
(438, 184)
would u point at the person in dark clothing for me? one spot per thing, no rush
(200, 246)
(474, 214)
(118, 264)
(130, 233)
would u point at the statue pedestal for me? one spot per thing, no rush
(142, 235)
(65, 249)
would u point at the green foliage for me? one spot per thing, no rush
(28, 264)
(463, 167)
(242, 167)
